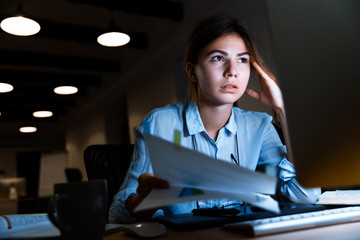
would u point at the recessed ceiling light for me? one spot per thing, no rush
(42, 114)
(65, 90)
(28, 129)
(5, 87)
(113, 39)
(20, 26)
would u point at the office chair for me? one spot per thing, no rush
(110, 162)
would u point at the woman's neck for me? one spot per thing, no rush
(214, 118)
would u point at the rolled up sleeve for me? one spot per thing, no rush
(290, 187)
(273, 153)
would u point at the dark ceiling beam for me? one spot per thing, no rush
(36, 59)
(52, 140)
(157, 8)
(52, 79)
(85, 34)
(14, 101)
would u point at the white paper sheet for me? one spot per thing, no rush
(203, 177)
(340, 197)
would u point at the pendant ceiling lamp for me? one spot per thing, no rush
(19, 24)
(43, 114)
(113, 37)
(28, 129)
(5, 87)
(66, 90)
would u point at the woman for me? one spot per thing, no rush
(218, 62)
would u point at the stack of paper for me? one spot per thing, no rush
(196, 176)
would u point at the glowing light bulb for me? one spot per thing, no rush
(20, 26)
(42, 114)
(28, 129)
(113, 39)
(5, 87)
(65, 90)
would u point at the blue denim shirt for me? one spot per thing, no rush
(249, 136)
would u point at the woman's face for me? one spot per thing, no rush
(222, 71)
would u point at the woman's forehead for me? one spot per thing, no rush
(226, 42)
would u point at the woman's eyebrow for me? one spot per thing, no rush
(226, 54)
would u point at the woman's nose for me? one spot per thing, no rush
(231, 70)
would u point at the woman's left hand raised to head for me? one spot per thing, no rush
(270, 93)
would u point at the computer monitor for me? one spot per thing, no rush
(317, 49)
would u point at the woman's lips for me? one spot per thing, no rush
(230, 88)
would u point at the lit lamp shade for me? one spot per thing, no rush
(28, 129)
(5, 87)
(42, 114)
(113, 39)
(66, 90)
(20, 26)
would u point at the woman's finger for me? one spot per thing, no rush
(252, 93)
(270, 93)
(260, 71)
(149, 180)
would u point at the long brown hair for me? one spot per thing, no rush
(212, 28)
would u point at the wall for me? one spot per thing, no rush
(84, 131)
(318, 55)
(8, 163)
(156, 92)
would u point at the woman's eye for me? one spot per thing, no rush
(243, 60)
(217, 58)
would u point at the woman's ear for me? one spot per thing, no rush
(190, 71)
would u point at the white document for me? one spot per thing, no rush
(196, 176)
(345, 197)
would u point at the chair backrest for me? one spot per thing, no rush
(110, 162)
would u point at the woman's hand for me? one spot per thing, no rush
(270, 93)
(146, 182)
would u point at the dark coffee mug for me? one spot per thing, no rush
(79, 209)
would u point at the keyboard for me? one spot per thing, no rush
(193, 221)
(297, 221)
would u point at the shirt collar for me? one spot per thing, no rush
(231, 125)
(193, 119)
(195, 124)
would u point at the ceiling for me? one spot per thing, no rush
(65, 52)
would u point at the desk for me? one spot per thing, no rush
(341, 232)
